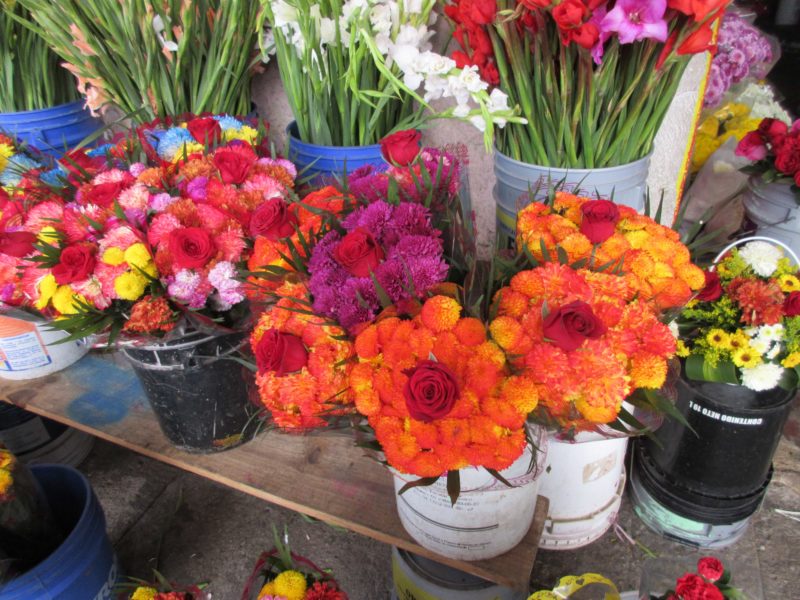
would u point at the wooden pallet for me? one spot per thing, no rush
(323, 476)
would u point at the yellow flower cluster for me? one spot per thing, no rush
(7, 461)
(289, 584)
(6, 152)
(732, 120)
(144, 593)
(131, 284)
(62, 297)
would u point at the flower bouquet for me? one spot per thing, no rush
(710, 581)
(356, 71)
(774, 148)
(161, 589)
(744, 325)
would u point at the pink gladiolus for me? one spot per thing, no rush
(635, 20)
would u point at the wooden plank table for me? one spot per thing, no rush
(323, 476)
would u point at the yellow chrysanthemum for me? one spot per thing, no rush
(246, 133)
(137, 255)
(6, 152)
(48, 235)
(506, 332)
(267, 590)
(648, 371)
(718, 339)
(65, 300)
(521, 393)
(709, 127)
(6, 458)
(130, 285)
(291, 585)
(150, 269)
(113, 257)
(47, 288)
(637, 239)
(791, 361)
(746, 357)
(681, 349)
(144, 593)
(186, 149)
(789, 283)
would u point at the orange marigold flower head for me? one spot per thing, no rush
(521, 393)
(670, 293)
(507, 332)
(640, 263)
(613, 248)
(152, 177)
(150, 315)
(637, 238)
(440, 313)
(511, 302)
(692, 275)
(534, 243)
(528, 283)
(470, 331)
(366, 343)
(577, 246)
(648, 371)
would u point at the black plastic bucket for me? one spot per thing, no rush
(199, 396)
(738, 431)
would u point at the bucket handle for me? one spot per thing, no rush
(756, 238)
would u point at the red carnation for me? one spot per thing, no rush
(787, 156)
(791, 306)
(710, 567)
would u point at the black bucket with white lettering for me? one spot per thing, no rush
(737, 433)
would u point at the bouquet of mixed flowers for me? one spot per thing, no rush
(594, 79)
(774, 148)
(711, 582)
(744, 326)
(733, 120)
(355, 70)
(156, 228)
(161, 589)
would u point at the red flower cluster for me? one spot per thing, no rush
(710, 582)
(776, 144)
(471, 17)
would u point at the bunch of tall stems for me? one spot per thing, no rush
(30, 76)
(155, 58)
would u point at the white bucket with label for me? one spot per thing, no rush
(488, 519)
(28, 349)
(419, 578)
(584, 481)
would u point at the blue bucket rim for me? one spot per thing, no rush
(292, 133)
(567, 171)
(58, 109)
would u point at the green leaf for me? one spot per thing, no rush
(453, 486)
(496, 474)
(424, 481)
(699, 369)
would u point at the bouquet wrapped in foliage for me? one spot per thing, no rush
(28, 532)
(744, 326)
(593, 79)
(774, 148)
(155, 230)
(711, 581)
(354, 71)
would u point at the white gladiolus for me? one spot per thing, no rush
(478, 122)
(158, 26)
(762, 377)
(413, 7)
(285, 15)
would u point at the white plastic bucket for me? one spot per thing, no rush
(418, 578)
(626, 183)
(28, 349)
(584, 481)
(775, 212)
(488, 519)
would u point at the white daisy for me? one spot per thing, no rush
(762, 377)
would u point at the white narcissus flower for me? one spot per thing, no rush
(762, 257)
(762, 377)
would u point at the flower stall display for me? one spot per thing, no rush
(709, 580)
(146, 58)
(150, 244)
(773, 198)
(740, 346)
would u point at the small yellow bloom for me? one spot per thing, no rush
(144, 593)
(718, 339)
(187, 149)
(789, 283)
(6, 458)
(48, 235)
(681, 349)
(5, 482)
(746, 357)
(267, 590)
(247, 134)
(291, 585)
(65, 300)
(150, 269)
(130, 285)
(791, 361)
(138, 256)
(737, 340)
(47, 288)
(113, 257)
(6, 152)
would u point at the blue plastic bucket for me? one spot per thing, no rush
(84, 566)
(320, 164)
(51, 130)
(515, 180)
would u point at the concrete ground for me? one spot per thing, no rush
(191, 529)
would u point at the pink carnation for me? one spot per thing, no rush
(231, 244)
(135, 197)
(268, 186)
(211, 218)
(46, 214)
(161, 226)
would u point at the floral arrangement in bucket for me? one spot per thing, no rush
(744, 325)
(774, 148)
(593, 79)
(356, 71)
(711, 581)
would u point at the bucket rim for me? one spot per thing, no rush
(788, 397)
(645, 161)
(409, 558)
(57, 108)
(292, 133)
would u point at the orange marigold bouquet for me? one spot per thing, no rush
(302, 360)
(438, 393)
(600, 233)
(582, 340)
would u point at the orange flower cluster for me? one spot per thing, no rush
(484, 426)
(297, 400)
(270, 253)
(654, 262)
(584, 386)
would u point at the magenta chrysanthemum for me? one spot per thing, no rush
(407, 260)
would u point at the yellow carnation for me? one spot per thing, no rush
(65, 300)
(130, 285)
(113, 257)
(291, 585)
(144, 593)
(137, 256)
(47, 287)
(791, 361)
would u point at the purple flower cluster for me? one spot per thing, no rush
(742, 51)
(412, 262)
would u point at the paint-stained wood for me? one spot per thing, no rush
(324, 476)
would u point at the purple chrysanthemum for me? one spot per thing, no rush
(412, 263)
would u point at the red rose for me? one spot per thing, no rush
(358, 253)
(713, 288)
(568, 326)
(205, 130)
(234, 163)
(711, 568)
(752, 147)
(280, 353)
(787, 156)
(75, 264)
(17, 243)
(570, 14)
(273, 220)
(103, 194)
(401, 148)
(694, 587)
(431, 391)
(191, 247)
(791, 306)
(600, 218)
(773, 131)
